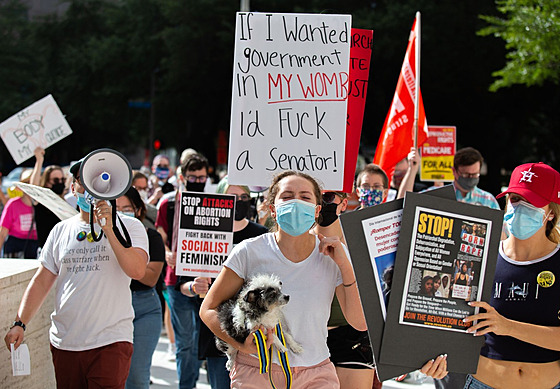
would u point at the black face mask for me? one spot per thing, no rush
(328, 214)
(196, 186)
(242, 209)
(58, 188)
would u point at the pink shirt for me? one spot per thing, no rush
(17, 218)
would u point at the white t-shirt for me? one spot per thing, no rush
(93, 304)
(310, 284)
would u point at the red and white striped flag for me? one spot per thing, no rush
(397, 135)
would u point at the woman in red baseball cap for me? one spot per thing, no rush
(522, 321)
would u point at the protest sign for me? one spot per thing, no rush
(360, 56)
(289, 97)
(39, 125)
(372, 235)
(205, 235)
(423, 319)
(49, 199)
(437, 154)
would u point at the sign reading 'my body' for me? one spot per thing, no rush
(39, 125)
(289, 97)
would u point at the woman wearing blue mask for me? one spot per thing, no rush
(522, 321)
(312, 269)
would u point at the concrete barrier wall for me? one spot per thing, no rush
(15, 275)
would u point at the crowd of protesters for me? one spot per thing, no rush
(290, 228)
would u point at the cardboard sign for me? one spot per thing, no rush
(205, 235)
(437, 154)
(422, 323)
(372, 235)
(289, 97)
(49, 199)
(39, 125)
(360, 56)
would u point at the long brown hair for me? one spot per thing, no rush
(46, 176)
(552, 231)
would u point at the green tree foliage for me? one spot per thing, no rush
(17, 57)
(101, 54)
(531, 30)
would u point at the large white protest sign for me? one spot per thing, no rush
(289, 97)
(39, 125)
(49, 199)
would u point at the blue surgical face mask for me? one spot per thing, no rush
(84, 201)
(129, 214)
(295, 217)
(370, 197)
(523, 220)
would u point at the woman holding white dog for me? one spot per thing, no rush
(311, 269)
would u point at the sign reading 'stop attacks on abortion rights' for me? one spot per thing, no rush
(289, 97)
(39, 125)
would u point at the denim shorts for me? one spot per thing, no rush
(473, 383)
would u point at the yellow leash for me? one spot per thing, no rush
(265, 359)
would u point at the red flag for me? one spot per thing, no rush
(397, 135)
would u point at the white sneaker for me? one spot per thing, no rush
(171, 352)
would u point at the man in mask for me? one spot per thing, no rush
(159, 181)
(183, 309)
(466, 171)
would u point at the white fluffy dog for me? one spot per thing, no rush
(258, 303)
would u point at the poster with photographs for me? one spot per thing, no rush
(446, 257)
(372, 237)
(382, 238)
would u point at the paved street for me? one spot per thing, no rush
(164, 373)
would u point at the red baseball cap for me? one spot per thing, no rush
(537, 182)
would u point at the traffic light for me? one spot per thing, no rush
(157, 144)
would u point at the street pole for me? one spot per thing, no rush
(152, 115)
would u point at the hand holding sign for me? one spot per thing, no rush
(39, 125)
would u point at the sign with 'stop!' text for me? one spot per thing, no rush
(289, 97)
(205, 233)
(39, 125)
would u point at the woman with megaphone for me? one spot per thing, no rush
(92, 323)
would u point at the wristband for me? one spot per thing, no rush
(18, 323)
(349, 285)
(191, 288)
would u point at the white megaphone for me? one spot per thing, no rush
(106, 175)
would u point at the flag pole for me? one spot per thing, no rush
(417, 86)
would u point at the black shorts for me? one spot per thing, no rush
(350, 348)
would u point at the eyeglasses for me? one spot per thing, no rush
(243, 197)
(467, 175)
(163, 166)
(368, 187)
(56, 180)
(329, 197)
(193, 178)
